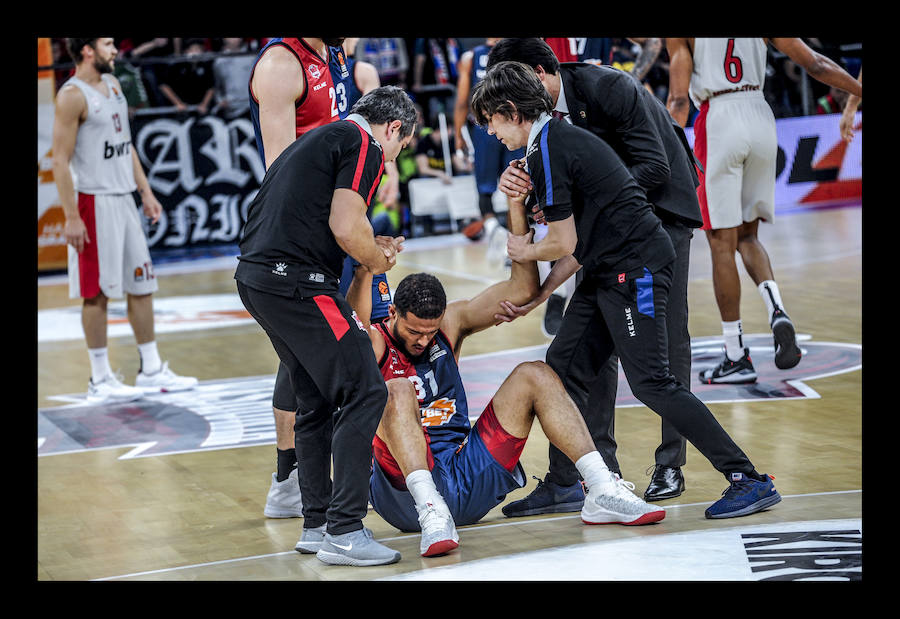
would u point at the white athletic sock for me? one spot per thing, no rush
(99, 363)
(594, 470)
(768, 290)
(421, 487)
(150, 361)
(734, 340)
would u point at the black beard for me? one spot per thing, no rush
(103, 68)
(334, 42)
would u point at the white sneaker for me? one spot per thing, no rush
(616, 503)
(439, 534)
(164, 380)
(111, 388)
(283, 500)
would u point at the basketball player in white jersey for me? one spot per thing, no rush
(735, 142)
(97, 170)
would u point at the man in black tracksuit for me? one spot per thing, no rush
(615, 107)
(600, 221)
(309, 213)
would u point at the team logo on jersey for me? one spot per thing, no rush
(344, 71)
(358, 321)
(384, 291)
(314, 71)
(438, 412)
(280, 269)
(435, 352)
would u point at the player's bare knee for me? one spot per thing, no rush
(401, 396)
(534, 374)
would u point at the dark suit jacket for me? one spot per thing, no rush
(614, 106)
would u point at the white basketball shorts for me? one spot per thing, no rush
(735, 141)
(115, 259)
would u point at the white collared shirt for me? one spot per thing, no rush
(536, 130)
(561, 104)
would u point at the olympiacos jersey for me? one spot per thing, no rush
(726, 65)
(102, 161)
(317, 106)
(435, 375)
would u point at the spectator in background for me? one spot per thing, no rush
(430, 160)
(231, 73)
(132, 82)
(189, 81)
(388, 56)
(832, 102)
(434, 75)
(147, 54)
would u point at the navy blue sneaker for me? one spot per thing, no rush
(547, 498)
(745, 496)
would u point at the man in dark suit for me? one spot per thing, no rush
(614, 106)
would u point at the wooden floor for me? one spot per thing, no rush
(109, 512)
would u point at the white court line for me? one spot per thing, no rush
(398, 537)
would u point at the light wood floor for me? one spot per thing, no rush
(198, 515)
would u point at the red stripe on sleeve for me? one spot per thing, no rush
(88, 260)
(377, 181)
(361, 161)
(337, 322)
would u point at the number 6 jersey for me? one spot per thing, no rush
(725, 65)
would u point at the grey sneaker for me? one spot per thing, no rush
(355, 548)
(439, 534)
(283, 500)
(618, 504)
(311, 540)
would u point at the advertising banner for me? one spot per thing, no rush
(206, 170)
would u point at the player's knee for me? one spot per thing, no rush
(535, 374)
(401, 396)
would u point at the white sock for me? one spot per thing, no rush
(421, 487)
(99, 363)
(734, 341)
(768, 290)
(150, 361)
(594, 470)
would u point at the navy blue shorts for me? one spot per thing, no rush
(470, 479)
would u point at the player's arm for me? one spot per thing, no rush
(650, 48)
(463, 87)
(367, 79)
(819, 67)
(277, 84)
(848, 116)
(467, 316)
(353, 232)
(70, 107)
(359, 296)
(681, 65)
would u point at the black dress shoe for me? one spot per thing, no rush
(666, 483)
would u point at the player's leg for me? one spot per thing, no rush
(534, 390)
(402, 442)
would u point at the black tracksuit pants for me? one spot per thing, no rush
(672, 450)
(630, 318)
(334, 373)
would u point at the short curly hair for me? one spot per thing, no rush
(421, 294)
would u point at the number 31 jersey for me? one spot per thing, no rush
(725, 65)
(439, 388)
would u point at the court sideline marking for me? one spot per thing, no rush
(399, 537)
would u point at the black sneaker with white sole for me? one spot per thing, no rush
(731, 372)
(787, 351)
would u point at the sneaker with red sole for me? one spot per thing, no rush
(617, 503)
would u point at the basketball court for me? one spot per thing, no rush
(172, 487)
